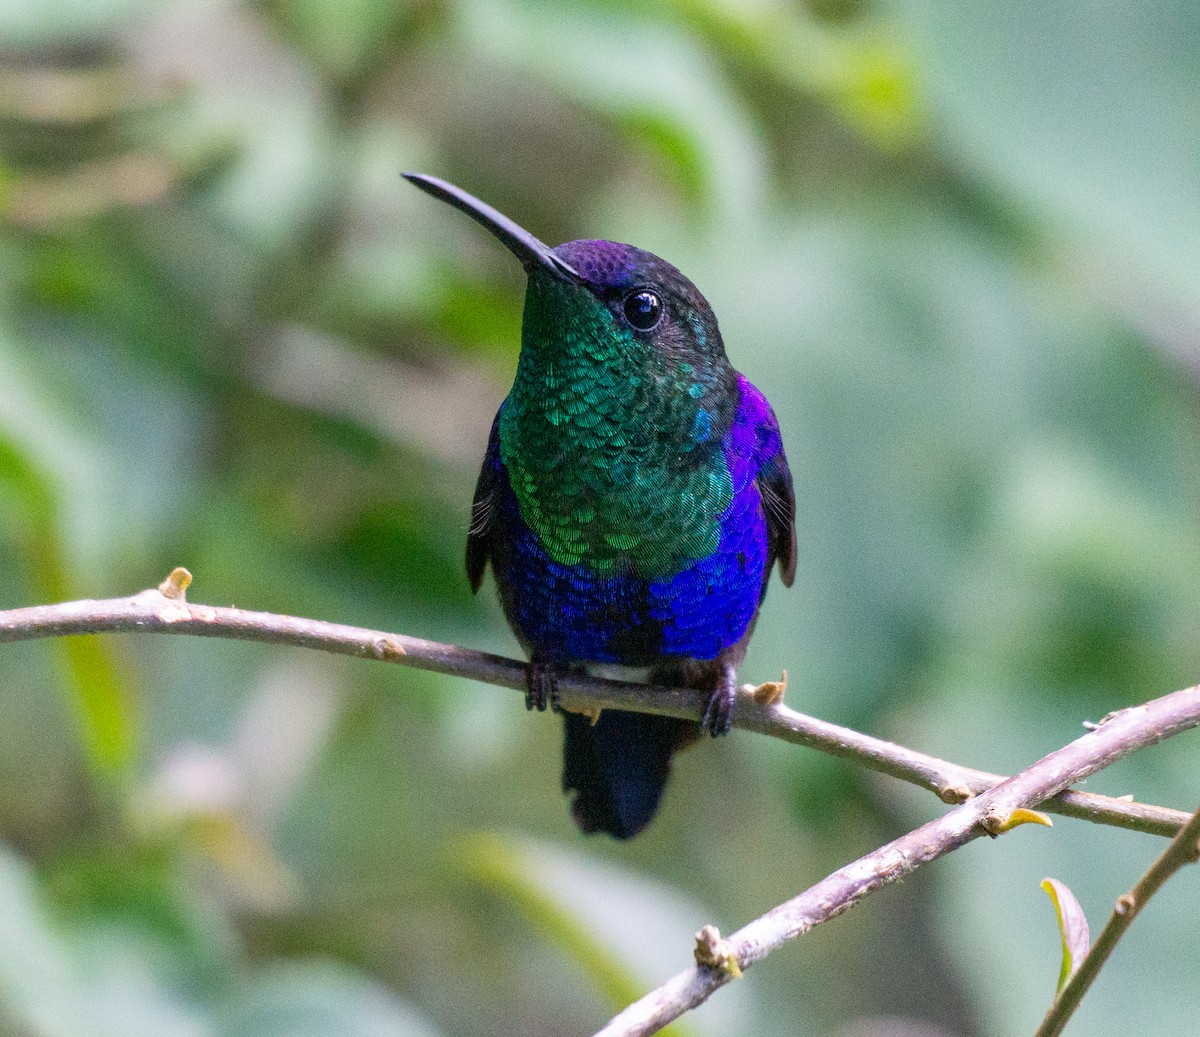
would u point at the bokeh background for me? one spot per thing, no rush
(958, 245)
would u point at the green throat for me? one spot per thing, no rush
(614, 459)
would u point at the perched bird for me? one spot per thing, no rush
(633, 500)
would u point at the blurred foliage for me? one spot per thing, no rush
(954, 241)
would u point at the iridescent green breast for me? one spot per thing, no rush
(613, 446)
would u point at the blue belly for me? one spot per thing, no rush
(569, 613)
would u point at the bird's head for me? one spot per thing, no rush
(599, 295)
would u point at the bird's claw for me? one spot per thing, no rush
(543, 688)
(718, 714)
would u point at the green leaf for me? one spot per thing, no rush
(1072, 925)
(31, 23)
(109, 979)
(35, 973)
(649, 79)
(626, 931)
(341, 37)
(1087, 113)
(863, 72)
(34, 448)
(316, 999)
(504, 866)
(117, 977)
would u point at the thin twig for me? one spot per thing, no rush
(1183, 849)
(987, 814)
(152, 611)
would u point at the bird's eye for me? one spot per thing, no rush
(643, 309)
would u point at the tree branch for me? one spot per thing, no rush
(1183, 849)
(990, 813)
(166, 611)
(989, 804)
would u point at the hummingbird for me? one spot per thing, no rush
(633, 501)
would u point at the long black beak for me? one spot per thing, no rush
(531, 252)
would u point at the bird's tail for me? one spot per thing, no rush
(618, 767)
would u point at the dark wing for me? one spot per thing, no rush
(484, 508)
(774, 481)
(779, 504)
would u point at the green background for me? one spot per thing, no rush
(956, 243)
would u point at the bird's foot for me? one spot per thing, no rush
(718, 714)
(543, 687)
